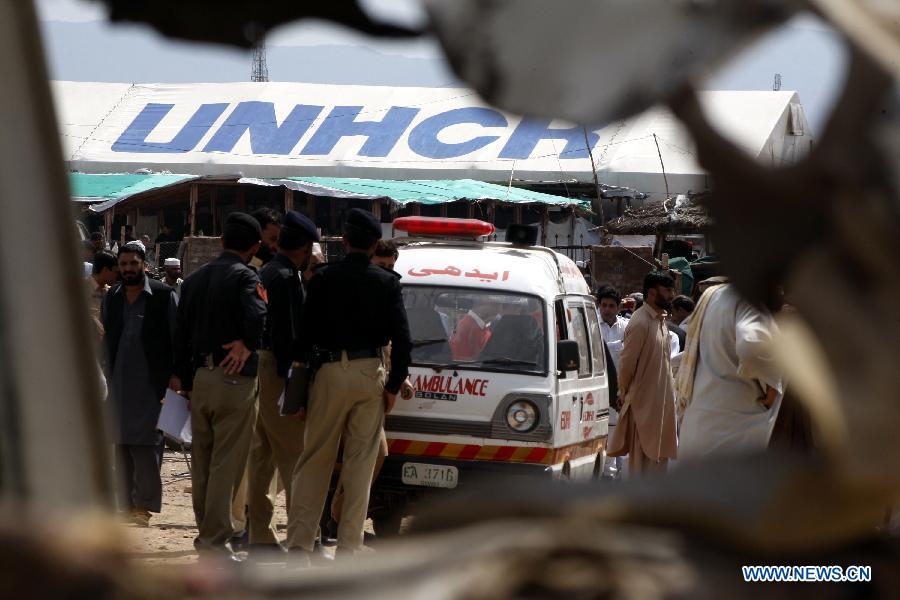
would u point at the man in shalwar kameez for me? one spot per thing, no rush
(729, 384)
(646, 429)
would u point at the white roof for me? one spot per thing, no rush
(758, 122)
(292, 129)
(491, 266)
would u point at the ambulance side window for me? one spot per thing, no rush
(596, 341)
(561, 326)
(560, 319)
(579, 333)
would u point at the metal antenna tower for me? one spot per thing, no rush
(260, 70)
(777, 85)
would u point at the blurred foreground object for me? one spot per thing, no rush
(52, 439)
(243, 22)
(596, 60)
(831, 227)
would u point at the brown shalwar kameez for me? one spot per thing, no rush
(646, 429)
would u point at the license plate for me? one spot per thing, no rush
(439, 476)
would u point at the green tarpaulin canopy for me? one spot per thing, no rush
(425, 191)
(107, 190)
(92, 187)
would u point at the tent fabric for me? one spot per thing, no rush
(109, 188)
(277, 130)
(428, 192)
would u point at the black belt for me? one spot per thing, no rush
(327, 356)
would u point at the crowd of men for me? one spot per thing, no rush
(693, 379)
(227, 337)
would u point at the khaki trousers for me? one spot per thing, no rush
(239, 506)
(346, 400)
(277, 443)
(223, 412)
(337, 500)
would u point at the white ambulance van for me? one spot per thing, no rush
(508, 365)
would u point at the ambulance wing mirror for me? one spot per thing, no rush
(567, 356)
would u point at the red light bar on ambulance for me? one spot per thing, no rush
(470, 228)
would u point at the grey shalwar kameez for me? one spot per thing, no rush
(138, 442)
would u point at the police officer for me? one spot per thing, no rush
(269, 224)
(352, 310)
(278, 440)
(221, 316)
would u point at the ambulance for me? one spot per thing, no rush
(508, 365)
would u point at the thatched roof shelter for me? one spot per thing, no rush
(680, 215)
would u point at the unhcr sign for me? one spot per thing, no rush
(289, 129)
(272, 130)
(267, 135)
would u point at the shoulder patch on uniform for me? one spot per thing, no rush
(262, 292)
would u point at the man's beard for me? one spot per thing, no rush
(264, 253)
(663, 304)
(132, 280)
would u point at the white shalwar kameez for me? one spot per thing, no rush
(734, 366)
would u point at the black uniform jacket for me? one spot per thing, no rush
(355, 305)
(220, 302)
(285, 292)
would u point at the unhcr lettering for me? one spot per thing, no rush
(382, 135)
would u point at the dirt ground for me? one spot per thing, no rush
(170, 538)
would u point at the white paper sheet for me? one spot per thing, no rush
(175, 417)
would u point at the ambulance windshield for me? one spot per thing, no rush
(476, 329)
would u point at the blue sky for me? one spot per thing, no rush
(82, 46)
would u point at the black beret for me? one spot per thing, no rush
(302, 224)
(244, 220)
(364, 221)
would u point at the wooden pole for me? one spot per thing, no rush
(288, 200)
(517, 214)
(416, 209)
(108, 217)
(195, 193)
(470, 210)
(663, 166)
(598, 205)
(376, 209)
(213, 197)
(572, 228)
(311, 208)
(545, 222)
(443, 210)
